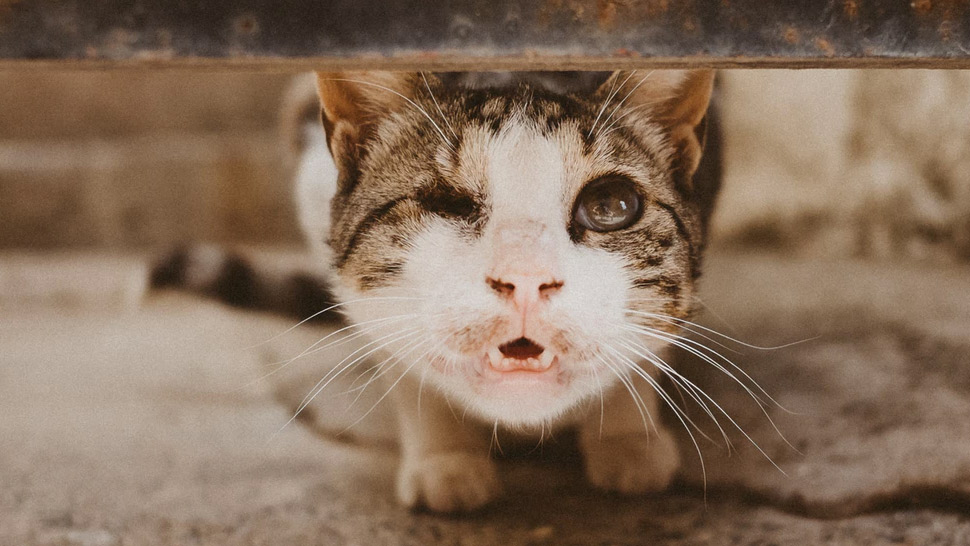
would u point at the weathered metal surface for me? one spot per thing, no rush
(479, 34)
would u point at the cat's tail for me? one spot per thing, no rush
(247, 280)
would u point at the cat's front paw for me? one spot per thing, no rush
(632, 464)
(448, 482)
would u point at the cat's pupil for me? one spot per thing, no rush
(608, 204)
(610, 211)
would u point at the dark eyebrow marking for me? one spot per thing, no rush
(667, 285)
(682, 231)
(449, 201)
(681, 227)
(365, 225)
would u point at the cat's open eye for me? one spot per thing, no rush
(608, 204)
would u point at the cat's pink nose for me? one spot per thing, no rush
(523, 289)
(524, 264)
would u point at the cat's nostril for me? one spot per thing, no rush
(507, 289)
(503, 288)
(550, 288)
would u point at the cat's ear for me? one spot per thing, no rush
(354, 101)
(678, 99)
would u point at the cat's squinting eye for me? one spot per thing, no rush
(608, 204)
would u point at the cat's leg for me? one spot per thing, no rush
(621, 453)
(445, 463)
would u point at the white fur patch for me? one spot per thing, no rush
(525, 176)
(442, 300)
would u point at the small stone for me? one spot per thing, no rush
(544, 532)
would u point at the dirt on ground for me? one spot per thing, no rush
(148, 423)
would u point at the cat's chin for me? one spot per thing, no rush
(520, 398)
(521, 388)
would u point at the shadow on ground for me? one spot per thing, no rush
(149, 426)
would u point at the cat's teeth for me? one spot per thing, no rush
(495, 358)
(545, 359)
(501, 363)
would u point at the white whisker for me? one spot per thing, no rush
(411, 102)
(395, 384)
(322, 311)
(665, 367)
(680, 381)
(384, 368)
(378, 369)
(655, 385)
(599, 385)
(438, 106)
(620, 104)
(761, 403)
(494, 440)
(613, 92)
(323, 383)
(424, 375)
(281, 364)
(612, 126)
(678, 412)
(686, 324)
(696, 348)
(330, 376)
(637, 399)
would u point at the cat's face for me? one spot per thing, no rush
(512, 239)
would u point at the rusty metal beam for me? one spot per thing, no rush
(485, 34)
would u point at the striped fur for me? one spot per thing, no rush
(484, 106)
(385, 182)
(242, 281)
(432, 176)
(435, 200)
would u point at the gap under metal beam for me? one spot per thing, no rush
(484, 34)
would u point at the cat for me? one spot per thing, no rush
(521, 247)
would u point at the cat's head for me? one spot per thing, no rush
(506, 244)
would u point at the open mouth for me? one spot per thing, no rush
(520, 355)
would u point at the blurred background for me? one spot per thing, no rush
(844, 222)
(850, 162)
(131, 159)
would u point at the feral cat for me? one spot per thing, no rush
(521, 249)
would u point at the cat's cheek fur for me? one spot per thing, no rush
(447, 272)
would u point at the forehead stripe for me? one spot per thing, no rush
(372, 219)
(681, 227)
(442, 200)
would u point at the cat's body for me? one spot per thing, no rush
(519, 249)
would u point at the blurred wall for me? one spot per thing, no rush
(136, 158)
(853, 162)
(873, 163)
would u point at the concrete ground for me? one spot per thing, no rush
(126, 423)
